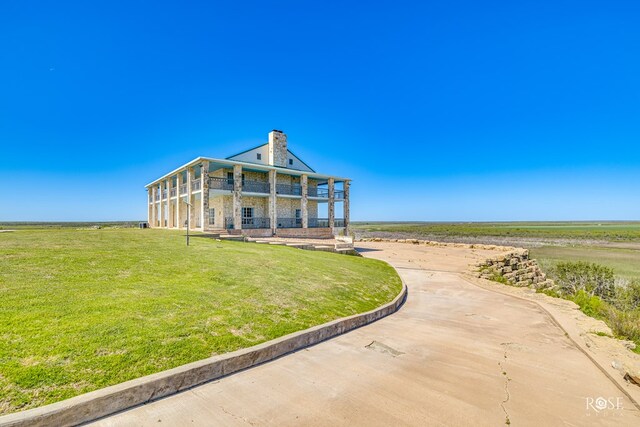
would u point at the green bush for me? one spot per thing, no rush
(625, 324)
(590, 305)
(594, 279)
(627, 298)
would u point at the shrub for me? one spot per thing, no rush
(594, 279)
(627, 297)
(625, 324)
(590, 305)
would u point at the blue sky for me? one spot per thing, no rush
(438, 111)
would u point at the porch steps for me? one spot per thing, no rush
(323, 248)
(339, 247)
(298, 245)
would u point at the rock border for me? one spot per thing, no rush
(107, 401)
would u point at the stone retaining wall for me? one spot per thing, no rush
(515, 268)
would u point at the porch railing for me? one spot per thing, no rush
(289, 222)
(338, 222)
(173, 192)
(289, 189)
(196, 185)
(247, 185)
(255, 187)
(318, 192)
(164, 194)
(338, 194)
(183, 189)
(221, 184)
(248, 223)
(318, 222)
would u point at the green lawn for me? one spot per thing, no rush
(609, 231)
(624, 262)
(84, 309)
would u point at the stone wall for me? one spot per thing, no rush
(515, 268)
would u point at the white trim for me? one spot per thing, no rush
(265, 168)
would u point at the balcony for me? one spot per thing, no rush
(255, 186)
(164, 194)
(173, 192)
(338, 222)
(338, 195)
(289, 189)
(183, 189)
(249, 223)
(196, 185)
(221, 184)
(248, 186)
(157, 196)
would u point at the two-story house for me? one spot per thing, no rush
(264, 191)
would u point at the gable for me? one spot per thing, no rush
(251, 156)
(298, 164)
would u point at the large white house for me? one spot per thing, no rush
(264, 191)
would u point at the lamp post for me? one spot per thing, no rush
(188, 218)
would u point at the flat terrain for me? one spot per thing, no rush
(84, 309)
(604, 231)
(454, 355)
(613, 244)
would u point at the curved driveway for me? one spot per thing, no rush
(454, 355)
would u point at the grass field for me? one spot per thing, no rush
(84, 309)
(606, 231)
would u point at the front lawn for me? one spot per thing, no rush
(85, 309)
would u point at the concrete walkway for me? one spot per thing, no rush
(454, 355)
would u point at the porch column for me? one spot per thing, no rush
(204, 194)
(178, 200)
(154, 209)
(237, 197)
(190, 209)
(169, 207)
(332, 203)
(149, 205)
(305, 198)
(273, 201)
(162, 204)
(346, 208)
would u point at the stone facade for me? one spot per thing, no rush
(209, 194)
(278, 149)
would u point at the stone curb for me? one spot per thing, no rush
(100, 403)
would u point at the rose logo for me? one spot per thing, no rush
(601, 403)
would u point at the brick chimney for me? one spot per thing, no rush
(278, 153)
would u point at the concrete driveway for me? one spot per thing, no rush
(454, 355)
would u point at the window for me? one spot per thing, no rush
(298, 216)
(290, 161)
(259, 156)
(247, 216)
(212, 216)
